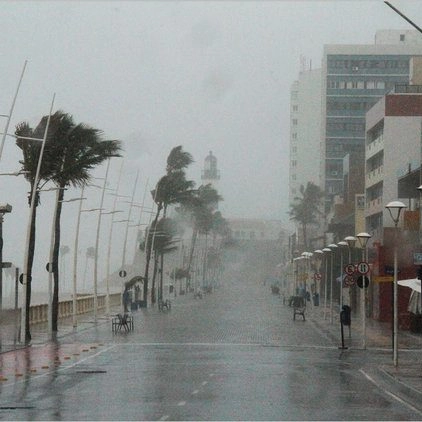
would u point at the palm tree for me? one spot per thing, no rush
(200, 206)
(76, 149)
(162, 242)
(71, 151)
(306, 208)
(31, 151)
(172, 188)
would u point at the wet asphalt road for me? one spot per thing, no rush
(234, 355)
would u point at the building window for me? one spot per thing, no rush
(294, 122)
(295, 108)
(402, 37)
(294, 135)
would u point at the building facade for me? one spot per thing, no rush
(305, 129)
(355, 77)
(393, 150)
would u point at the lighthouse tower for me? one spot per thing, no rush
(210, 174)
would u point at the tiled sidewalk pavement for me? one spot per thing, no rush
(407, 376)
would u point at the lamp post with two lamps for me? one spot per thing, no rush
(317, 262)
(4, 209)
(326, 252)
(333, 247)
(342, 244)
(307, 257)
(363, 239)
(395, 208)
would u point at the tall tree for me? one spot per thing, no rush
(172, 188)
(75, 150)
(31, 152)
(306, 208)
(71, 152)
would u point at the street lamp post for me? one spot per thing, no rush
(351, 240)
(4, 208)
(97, 244)
(318, 259)
(395, 208)
(326, 251)
(333, 247)
(363, 241)
(307, 256)
(9, 116)
(341, 245)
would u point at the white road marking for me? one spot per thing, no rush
(181, 403)
(204, 383)
(194, 392)
(164, 417)
(389, 393)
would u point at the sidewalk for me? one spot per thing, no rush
(406, 377)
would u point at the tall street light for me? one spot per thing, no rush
(4, 209)
(326, 251)
(307, 256)
(351, 240)
(9, 116)
(395, 208)
(342, 244)
(317, 261)
(363, 241)
(333, 247)
(97, 244)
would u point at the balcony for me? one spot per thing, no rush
(374, 206)
(375, 176)
(375, 147)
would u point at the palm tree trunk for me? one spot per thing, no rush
(154, 276)
(29, 276)
(149, 248)
(56, 249)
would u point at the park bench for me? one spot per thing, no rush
(122, 321)
(299, 306)
(164, 304)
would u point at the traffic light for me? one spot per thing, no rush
(419, 272)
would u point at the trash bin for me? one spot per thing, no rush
(345, 315)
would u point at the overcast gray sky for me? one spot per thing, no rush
(206, 75)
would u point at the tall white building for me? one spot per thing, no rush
(393, 150)
(305, 129)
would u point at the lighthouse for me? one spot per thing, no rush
(210, 173)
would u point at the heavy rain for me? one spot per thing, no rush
(210, 210)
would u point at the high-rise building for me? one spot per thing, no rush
(305, 129)
(354, 78)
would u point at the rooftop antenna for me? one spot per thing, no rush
(403, 16)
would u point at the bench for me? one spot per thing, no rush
(122, 321)
(299, 306)
(164, 304)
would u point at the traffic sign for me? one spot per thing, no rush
(122, 273)
(349, 269)
(363, 267)
(362, 280)
(349, 280)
